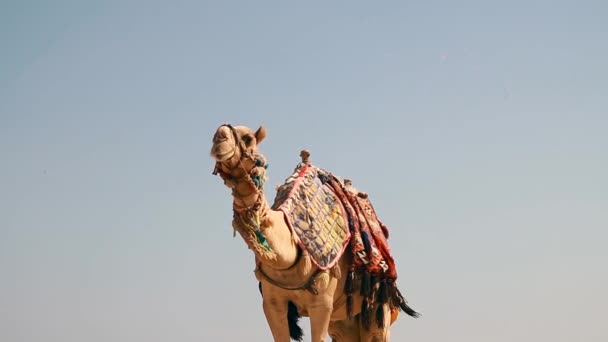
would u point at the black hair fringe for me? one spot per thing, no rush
(402, 304)
(382, 296)
(366, 319)
(349, 306)
(380, 316)
(349, 282)
(293, 316)
(366, 286)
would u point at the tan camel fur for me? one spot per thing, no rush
(283, 264)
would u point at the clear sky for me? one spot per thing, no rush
(479, 129)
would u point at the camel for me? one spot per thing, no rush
(291, 284)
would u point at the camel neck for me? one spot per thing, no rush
(263, 229)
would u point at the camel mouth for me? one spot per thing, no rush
(221, 157)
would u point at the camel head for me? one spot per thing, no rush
(235, 150)
(231, 141)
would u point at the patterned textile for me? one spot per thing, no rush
(330, 217)
(369, 236)
(316, 216)
(373, 266)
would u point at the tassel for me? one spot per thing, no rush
(366, 242)
(257, 180)
(402, 304)
(349, 306)
(373, 280)
(380, 316)
(392, 294)
(322, 280)
(409, 311)
(262, 240)
(382, 297)
(394, 298)
(366, 320)
(349, 282)
(335, 272)
(366, 288)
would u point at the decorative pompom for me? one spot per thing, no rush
(384, 229)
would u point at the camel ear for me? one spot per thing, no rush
(260, 134)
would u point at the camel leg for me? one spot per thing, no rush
(376, 333)
(344, 331)
(276, 316)
(320, 313)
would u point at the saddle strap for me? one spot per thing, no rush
(308, 285)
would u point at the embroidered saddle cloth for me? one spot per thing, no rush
(328, 216)
(314, 214)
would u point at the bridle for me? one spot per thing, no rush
(252, 176)
(239, 144)
(247, 218)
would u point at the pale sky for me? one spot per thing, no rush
(479, 129)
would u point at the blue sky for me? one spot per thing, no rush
(478, 129)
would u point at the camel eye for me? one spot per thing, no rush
(247, 139)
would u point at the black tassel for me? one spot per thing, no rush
(366, 286)
(348, 284)
(392, 293)
(366, 319)
(293, 316)
(409, 310)
(373, 279)
(366, 242)
(349, 306)
(380, 316)
(382, 297)
(395, 297)
(403, 305)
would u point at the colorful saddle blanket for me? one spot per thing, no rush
(328, 216)
(315, 214)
